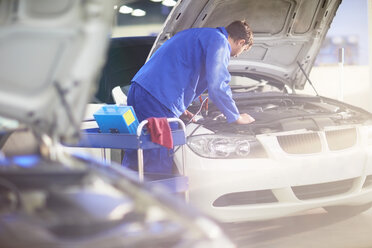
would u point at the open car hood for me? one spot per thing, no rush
(286, 32)
(51, 53)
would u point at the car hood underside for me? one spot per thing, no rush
(286, 32)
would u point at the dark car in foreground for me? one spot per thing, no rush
(51, 54)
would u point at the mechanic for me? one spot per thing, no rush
(192, 61)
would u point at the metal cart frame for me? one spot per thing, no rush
(92, 138)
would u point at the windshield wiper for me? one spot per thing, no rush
(249, 87)
(307, 77)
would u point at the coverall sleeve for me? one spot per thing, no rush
(218, 77)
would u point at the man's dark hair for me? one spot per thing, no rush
(240, 30)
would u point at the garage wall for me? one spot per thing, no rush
(351, 84)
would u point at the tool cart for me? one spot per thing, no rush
(141, 140)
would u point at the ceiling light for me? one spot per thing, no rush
(156, 1)
(169, 3)
(115, 6)
(125, 9)
(353, 39)
(337, 40)
(138, 12)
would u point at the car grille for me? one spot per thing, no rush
(300, 143)
(322, 190)
(341, 139)
(243, 198)
(311, 142)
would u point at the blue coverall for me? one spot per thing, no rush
(186, 65)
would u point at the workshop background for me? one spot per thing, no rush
(344, 55)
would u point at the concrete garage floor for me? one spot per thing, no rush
(314, 228)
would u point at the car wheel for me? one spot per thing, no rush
(348, 210)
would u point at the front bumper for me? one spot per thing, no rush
(283, 184)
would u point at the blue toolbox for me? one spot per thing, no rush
(116, 119)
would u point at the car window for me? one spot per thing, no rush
(7, 124)
(243, 81)
(135, 28)
(244, 84)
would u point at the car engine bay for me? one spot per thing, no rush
(283, 112)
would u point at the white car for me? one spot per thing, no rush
(303, 151)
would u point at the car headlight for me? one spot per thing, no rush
(224, 146)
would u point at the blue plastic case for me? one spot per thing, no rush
(116, 119)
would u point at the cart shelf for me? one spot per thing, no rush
(93, 138)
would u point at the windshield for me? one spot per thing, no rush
(7, 125)
(240, 83)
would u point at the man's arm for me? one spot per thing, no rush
(187, 115)
(218, 77)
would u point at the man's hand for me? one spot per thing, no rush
(244, 119)
(187, 115)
